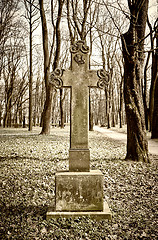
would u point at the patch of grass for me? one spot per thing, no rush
(28, 164)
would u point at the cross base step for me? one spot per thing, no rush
(98, 215)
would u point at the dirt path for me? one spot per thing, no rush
(122, 137)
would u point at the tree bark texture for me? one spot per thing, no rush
(155, 113)
(121, 104)
(9, 86)
(133, 45)
(47, 112)
(145, 93)
(90, 113)
(31, 74)
(48, 101)
(61, 108)
(154, 69)
(154, 129)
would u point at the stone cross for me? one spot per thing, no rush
(79, 78)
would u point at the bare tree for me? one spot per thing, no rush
(77, 24)
(47, 58)
(155, 76)
(133, 45)
(12, 59)
(153, 107)
(14, 90)
(19, 98)
(12, 49)
(8, 10)
(109, 46)
(32, 17)
(36, 113)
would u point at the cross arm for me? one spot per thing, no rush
(92, 78)
(61, 78)
(64, 78)
(99, 78)
(67, 78)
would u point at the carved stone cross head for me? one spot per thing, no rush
(79, 60)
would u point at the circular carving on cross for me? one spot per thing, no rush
(55, 78)
(103, 78)
(79, 46)
(79, 58)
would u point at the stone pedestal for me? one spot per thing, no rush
(79, 160)
(79, 191)
(97, 215)
(79, 194)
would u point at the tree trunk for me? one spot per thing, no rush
(42, 99)
(121, 104)
(36, 104)
(31, 74)
(47, 112)
(154, 133)
(9, 122)
(61, 109)
(132, 43)
(137, 146)
(24, 122)
(113, 109)
(0, 118)
(46, 115)
(90, 113)
(9, 92)
(107, 92)
(145, 92)
(20, 113)
(153, 70)
(154, 130)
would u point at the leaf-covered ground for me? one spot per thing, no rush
(28, 162)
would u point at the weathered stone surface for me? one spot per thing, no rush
(97, 215)
(80, 160)
(82, 191)
(79, 78)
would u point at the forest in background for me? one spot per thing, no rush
(35, 39)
